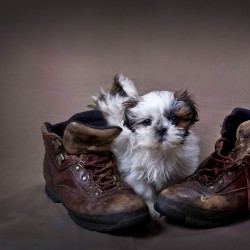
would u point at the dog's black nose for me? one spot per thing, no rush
(161, 131)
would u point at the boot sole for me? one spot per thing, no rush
(174, 214)
(136, 218)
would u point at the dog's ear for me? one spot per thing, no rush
(189, 111)
(123, 86)
(127, 123)
(129, 120)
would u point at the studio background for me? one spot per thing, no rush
(56, 54)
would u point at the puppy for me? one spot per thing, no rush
(156, 147)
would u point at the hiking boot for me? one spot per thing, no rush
(81, 173)
(218, 192)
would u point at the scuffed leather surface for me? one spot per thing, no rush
(79, 138)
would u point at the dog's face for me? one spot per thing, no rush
(160, 119)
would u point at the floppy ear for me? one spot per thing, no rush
(127, 123)
(189, 111)
(123, 86)
(128, 117)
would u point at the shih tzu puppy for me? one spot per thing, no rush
(156, 147)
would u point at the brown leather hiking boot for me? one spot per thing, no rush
(218, 192)
(81, 173)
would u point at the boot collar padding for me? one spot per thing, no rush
(80, 138)
(242, 145)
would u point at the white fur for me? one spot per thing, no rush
(146, 164)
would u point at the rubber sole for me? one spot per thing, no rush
(174, 214)
(128, 220)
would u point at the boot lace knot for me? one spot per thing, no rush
(101, 170)
(215, 166)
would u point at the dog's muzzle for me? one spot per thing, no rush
(161, 132)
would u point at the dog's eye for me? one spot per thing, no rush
(174, 120)
(146, 122)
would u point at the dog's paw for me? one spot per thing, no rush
(153, 212)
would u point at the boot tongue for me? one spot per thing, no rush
(81, 138)
(242, 145)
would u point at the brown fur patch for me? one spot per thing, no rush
(117, 88)
(187, 113)
(129, 104)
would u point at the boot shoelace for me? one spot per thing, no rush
(100, 170)
(217, 164)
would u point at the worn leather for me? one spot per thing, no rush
(242, 148)
(220, 188)
(79, 138)
(80, 195)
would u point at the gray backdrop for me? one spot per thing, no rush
(56, 54)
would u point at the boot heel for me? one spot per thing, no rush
(52, 194)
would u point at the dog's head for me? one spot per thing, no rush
(160, 119)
